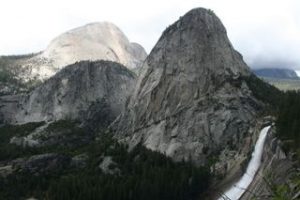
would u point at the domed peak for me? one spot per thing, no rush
(201, 12)
(190, 91)
(201, 39)
(95, 41)
(99, 26)
(200, 19)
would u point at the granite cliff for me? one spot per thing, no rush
(82, 91)
(95, 41)
(192, 99)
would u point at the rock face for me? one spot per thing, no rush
(82, 91)
(191, 99)
(9, 106)
(96, 41)
(276, 73)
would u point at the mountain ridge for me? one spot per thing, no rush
(95, 41)
(188, 121)
(191, 99)
(78, 92)
(278, 73)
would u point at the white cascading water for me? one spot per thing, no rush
(238, 189)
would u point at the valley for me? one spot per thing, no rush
(284, 84)
(94, 117)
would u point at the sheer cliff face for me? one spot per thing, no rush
(82, 91)
(97, 41)
(190, 100)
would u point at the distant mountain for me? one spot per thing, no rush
(96, 41)
(276, 73)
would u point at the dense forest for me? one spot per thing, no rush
(286, 107)
(288, 122)
(137, 174)
(268, 94)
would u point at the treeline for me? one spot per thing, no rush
(17, 57)
(143, 175)
(10, 151)
(6, 71)
(284, 105)
(70, 137)
(288, 122)
(138, 174)
(265, 92)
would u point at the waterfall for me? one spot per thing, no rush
(238, 189)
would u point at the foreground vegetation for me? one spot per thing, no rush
(286, 107)
(138, 174)
(288, 122)
(268, 94)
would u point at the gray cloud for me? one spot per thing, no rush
(274, 63)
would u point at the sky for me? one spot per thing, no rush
(265, 32)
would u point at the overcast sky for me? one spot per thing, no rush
(266, 32)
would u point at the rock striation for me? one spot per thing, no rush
(191, 99)
(84, 91)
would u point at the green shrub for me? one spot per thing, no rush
(144, 175)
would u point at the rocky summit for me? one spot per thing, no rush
(95, 41)
(191, 99)
(82, 91)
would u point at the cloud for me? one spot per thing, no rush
(261, 62)
(265, 32)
